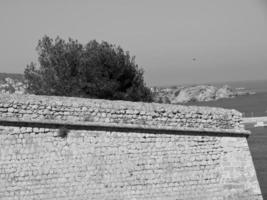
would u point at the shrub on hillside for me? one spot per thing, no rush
(94, 70)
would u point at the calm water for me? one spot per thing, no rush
(256, 86)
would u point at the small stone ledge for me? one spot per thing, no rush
(124, 128)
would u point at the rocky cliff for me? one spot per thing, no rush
(196, 93)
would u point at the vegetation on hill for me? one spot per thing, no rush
(94, 70)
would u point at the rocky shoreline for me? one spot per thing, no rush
(196, 93)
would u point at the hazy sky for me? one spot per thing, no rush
(179, 41)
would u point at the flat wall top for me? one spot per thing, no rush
(119, 113)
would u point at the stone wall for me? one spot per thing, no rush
(119, 113)
(117, 150)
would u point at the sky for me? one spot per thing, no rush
(174, 41)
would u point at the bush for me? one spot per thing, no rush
(94, 70)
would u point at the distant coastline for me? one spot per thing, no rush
(196, 93)
(249, 105)
(251, 85)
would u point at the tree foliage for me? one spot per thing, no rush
(94, 70)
